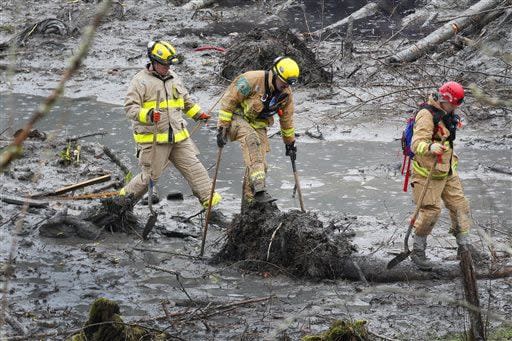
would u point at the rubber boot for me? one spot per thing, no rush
(260, 194)
(263, 197)
(464, 243)
(156, 199)
(418, 255)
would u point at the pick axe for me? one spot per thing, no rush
(293, 156)
(404, 254)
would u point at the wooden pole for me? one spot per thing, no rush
(209, 208)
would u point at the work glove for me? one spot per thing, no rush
(154, 116)
(291, 150)
(222, 137)
(203, 117)
(436, 148)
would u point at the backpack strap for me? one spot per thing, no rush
(437, 114)
(267, 95)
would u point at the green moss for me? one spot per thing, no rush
(7, 28)
(500, 334)
(105, 324)
(342, 331)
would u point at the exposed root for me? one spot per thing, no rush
(301, 245)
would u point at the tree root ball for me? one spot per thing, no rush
(257, 50)
(264, 238)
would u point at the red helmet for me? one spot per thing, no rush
(452, 92)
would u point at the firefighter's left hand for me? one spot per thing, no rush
(203, 117)
(291, 150)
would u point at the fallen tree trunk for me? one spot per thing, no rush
(197, 4)
(374, 270)
(367, 10)
(471, 16)
(298, 244)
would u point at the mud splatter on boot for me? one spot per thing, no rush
(418, 255)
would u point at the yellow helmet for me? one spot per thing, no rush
(161, 52)
(287, 69)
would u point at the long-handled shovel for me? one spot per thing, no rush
(152, 214)
(297, 184)
(209, 208)
(404, 254)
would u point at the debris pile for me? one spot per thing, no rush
(264, 237)
(258, 48)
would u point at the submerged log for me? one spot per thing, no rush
(471, 16)
(10, 199)
(62, 225)
(114, 214)
(298, 244)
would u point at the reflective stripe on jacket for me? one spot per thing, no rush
(424, 134)
(243, 97)
(174, 100)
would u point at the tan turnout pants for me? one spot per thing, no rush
(448, 190)
(182, 155)
(255, 145)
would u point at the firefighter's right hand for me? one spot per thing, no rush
(436, 148)
(154, 116)
(222, 136)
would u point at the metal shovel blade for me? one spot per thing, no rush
(149, 225)
(398, 259)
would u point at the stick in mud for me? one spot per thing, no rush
(471, 292)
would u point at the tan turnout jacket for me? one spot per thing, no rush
(424, 134)
(174, 100)
(244, 97)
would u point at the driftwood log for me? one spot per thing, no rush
(197, 4)
(367, 10)
(10, 199)
(471, 16)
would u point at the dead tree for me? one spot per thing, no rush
(471, 16)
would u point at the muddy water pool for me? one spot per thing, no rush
(354, 177)
(56, 280)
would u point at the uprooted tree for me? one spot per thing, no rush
(297, 243)
(257, 49)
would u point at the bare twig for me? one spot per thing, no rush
(14, 149)
(442, 20)
(272, 239)
(166, 252)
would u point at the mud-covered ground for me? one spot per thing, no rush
(55, 280)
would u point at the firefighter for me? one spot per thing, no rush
(248, 108)
(173, 145)
(445, 183)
